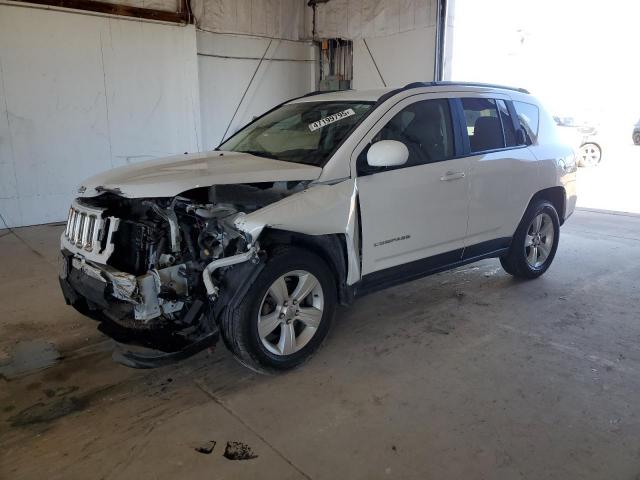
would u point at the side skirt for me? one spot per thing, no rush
(399, 274)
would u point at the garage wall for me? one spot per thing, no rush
(414, 64)
(226, 66)
(233, 36)
(398, 34)
(80, 94)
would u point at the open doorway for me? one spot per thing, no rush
(576, 56)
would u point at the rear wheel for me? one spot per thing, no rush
(535, 242)
(590, 155)
(636, 138)
(286, 314)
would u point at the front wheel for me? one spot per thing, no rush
(286, 314)
(636, 138)
(535, 242)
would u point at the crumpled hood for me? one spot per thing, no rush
(167, 177)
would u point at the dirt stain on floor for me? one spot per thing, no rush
(57, 407)
(28, 357)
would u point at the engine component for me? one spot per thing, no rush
(133, 245)
(212, 290)
(170, 216)
(160, 292)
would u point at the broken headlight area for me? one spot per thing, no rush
(157, 265)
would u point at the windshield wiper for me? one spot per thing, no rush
(259, 153)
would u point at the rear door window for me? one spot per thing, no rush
(483, 124)
(507, 124)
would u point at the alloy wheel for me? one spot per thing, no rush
(539, 240)
(290, 312)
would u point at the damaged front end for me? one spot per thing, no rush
(151, 269)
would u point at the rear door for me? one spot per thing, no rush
(498, 167)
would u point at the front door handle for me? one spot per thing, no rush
(447, 177)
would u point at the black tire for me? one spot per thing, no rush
(240, 327)
(515, 261)
(636, 138)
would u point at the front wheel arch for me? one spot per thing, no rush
(331, 248)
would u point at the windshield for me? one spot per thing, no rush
(307, 132)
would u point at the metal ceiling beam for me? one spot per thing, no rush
(116, 9)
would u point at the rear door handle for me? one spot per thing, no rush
(447, 177)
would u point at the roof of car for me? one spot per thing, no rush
(378, 94)
(345, 96)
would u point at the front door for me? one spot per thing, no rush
(420, 209)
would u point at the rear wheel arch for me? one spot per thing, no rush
(557, 196)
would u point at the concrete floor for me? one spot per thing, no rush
(466, 374)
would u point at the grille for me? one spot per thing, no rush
(88, 233)
(82, 229)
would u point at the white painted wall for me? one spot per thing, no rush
(232, 38)
(80, 94)
(402, 58)
(227, 63)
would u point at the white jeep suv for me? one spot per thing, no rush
(322, 199)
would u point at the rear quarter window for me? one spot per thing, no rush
(529, 118)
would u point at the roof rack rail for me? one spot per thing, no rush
(320, 92)
(463, 84)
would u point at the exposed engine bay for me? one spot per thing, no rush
(157, 263)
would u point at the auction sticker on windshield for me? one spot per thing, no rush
(331, 118)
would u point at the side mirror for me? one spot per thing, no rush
(387, 153)
(521, 138)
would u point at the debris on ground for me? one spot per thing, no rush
(238, 451)
(206, 447)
